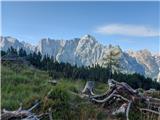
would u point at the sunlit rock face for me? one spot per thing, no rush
(148, 61)
(158, 77)
(88, 51)
(157, 58)
(7, 42)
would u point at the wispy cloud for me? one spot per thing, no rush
(128, 30)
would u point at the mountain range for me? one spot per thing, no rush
(88, 51)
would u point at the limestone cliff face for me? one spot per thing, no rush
(148, 61)
(7, 42)
(87, 51)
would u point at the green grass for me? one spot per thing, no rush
(100, 88)
(23, 84)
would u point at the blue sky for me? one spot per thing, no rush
(132, 25)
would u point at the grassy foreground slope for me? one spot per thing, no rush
(23, 84)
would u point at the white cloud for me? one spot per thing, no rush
(127, 30)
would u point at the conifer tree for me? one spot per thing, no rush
(111, 60)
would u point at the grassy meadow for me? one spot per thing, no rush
(26, 84)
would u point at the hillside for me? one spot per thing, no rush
(23, 84)
(58, 70)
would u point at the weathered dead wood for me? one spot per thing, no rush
(104, 95)
(128, 109)
(121, 97)
(14, 114)
(151, 99)
(149, 110)
(121, 85)
(122, 91)
(42, 114)
(50, 114)
(121, 109)
(31, 117)
(106, 99)
(19, 114)
(53, 82)
(88, 89)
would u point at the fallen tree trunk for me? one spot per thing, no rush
(104, 100)
(19, 114)
(14, 114)
(104, 95)
(24, 114)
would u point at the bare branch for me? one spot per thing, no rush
(106, 99)
(50, 114)
(149, 110)
(128, 109)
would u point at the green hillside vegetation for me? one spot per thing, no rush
(27, 83)
(58, 70)
(23, 84)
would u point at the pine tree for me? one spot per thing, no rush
(22, 53)
(3, 53)
(111, 60)
(12, 50)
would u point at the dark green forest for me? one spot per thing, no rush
(59, 70)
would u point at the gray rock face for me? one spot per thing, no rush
(131, 65)
(148, 61)
(87, 51)
(7, 42)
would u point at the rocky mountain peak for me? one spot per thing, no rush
(88, 38)
(11, 39)
(145, 52)
(87, 51)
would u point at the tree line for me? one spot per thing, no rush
(95, 72)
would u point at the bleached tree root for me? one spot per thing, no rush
(121, 91)
(19, 114)
(24, 114)
(128, 109)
